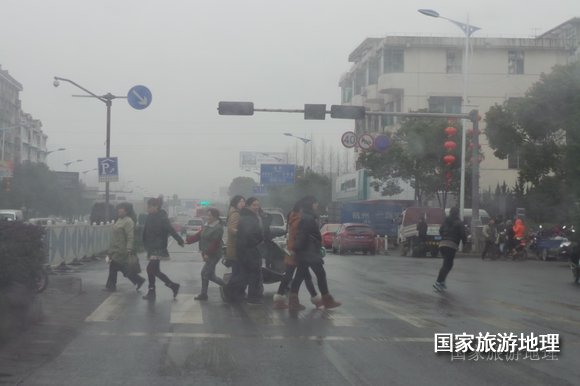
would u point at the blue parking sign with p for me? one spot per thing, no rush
(108, 169)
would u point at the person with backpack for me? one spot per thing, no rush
(250, 236)
(452, 233)
(155, 235)
(280, 301)
(308, 251)
(210, 246)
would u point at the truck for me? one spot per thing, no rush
(380, 215)
(408, 237)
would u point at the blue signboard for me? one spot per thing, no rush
(382, 142)
(139, 97)
(277, 174)
(260, 190)
(108, 169)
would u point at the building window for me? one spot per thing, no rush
(393, 60)
(515, 62)
(359, 81)
(514, 160)
(454, 62)
(374, 70)
(388, 120)
(346, 95)
(450, 105)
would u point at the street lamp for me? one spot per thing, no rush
(84, 172)
(305, 141)
(252, 171)
(54, 151)
(107, 99)
(468, 30)
(69, 163)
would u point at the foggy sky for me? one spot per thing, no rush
(191, 54)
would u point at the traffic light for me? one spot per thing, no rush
(347, 112)
(236, 108)
(317, 112)
(205, 203)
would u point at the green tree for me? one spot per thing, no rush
(243, 186)
(543, 130)
(416, 156)
(312, 184)
(36, 188)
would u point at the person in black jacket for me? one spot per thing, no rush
(308, 252)
(452, 233)
(249, 238)
(155, 236)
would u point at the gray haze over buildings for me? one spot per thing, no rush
(191, 54)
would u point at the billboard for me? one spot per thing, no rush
(277, 174)
(251, 160)
(68, 180)
(6, 169)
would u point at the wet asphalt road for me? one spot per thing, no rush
(382, 335)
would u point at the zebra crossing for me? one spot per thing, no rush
(188, 311)
(363, 312)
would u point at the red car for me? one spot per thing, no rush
(355, 237)
(328, 232)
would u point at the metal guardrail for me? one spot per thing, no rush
(67, 243)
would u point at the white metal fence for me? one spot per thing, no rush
(65, 243)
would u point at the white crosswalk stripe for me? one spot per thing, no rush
(264, 316)
(400, 313)
(186, 310)
(111, 309)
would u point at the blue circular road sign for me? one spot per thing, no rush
(382, 142)
(139, 97)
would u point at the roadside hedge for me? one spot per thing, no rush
(22, 253)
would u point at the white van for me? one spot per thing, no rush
(467, 214)
(11, 215)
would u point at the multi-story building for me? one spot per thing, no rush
(9, 113)
(32, 140)
(23, 138)
(410, 73)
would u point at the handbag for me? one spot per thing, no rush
(133, 266)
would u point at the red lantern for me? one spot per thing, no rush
(449, 159)
(450, 145)
(450, 131)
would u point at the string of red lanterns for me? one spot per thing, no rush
(450, 145)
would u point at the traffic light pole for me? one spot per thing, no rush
(359, 112)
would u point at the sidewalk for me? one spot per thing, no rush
(64, 306)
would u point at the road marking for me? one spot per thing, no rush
(313, 338)
(502, 324)
(534, 312)
(345, 367)
(400, 313)
(110, 309)
(186, 310)
(340, 318)
(263, 316)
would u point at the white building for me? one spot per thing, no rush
(409, 73)
(23, 138)
(32, 141)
